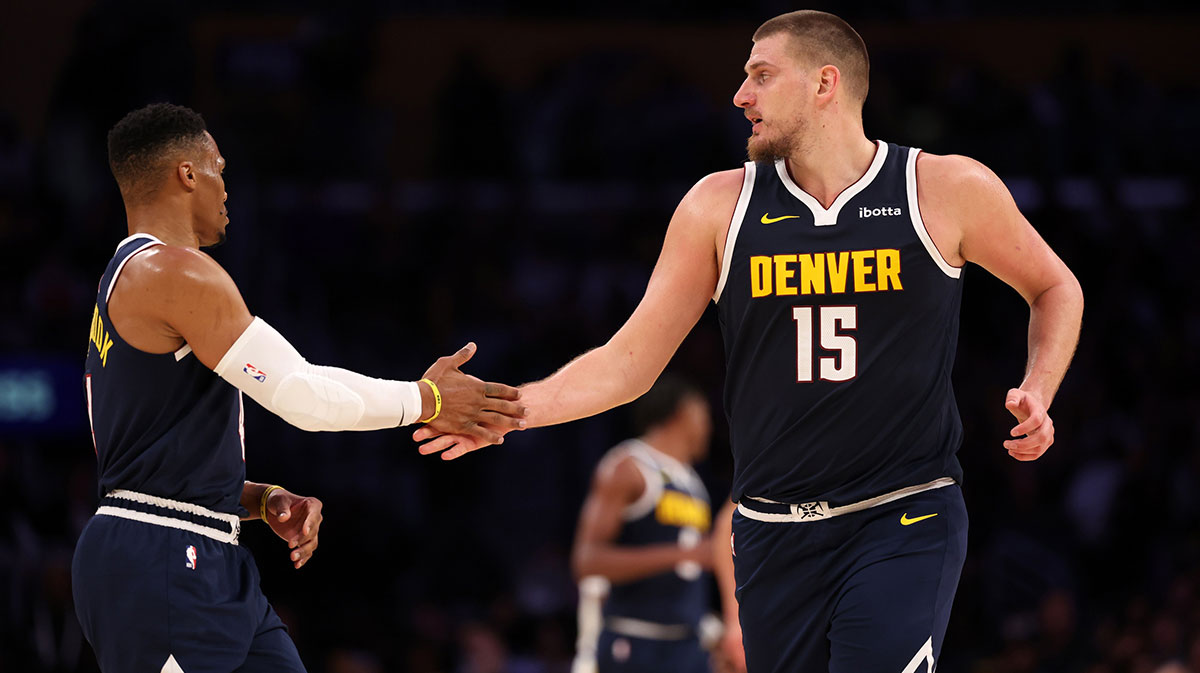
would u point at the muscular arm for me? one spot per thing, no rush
(682, 284)
(168, 296)
(621, 370)
(615, 487)
(972, 216)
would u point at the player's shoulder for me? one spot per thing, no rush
(714, 195)
(954, 172)
(618, 472)
(175, 265)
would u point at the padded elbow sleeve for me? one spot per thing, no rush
(263, 365)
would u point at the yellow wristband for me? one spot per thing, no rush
(262, 504)
(437, 401)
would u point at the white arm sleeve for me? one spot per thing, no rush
(263, 365)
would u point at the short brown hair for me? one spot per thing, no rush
(824, 39)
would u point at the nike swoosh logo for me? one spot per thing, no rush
(772, 220)
(905, 521)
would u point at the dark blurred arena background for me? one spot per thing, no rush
(405, 177)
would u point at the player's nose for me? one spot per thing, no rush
(743, 98)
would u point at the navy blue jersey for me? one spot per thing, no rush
(840, 327)
(163, 425)
(674, 508)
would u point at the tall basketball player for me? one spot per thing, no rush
(836, 264)
(159, 579)
(644, 529)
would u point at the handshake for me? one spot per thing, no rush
(470, 414)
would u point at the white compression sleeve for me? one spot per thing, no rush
(262, 364)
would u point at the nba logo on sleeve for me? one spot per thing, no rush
(254, 373)
(190, 553)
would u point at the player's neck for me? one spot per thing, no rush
(832, 161)
(168, 222)
(670, 443)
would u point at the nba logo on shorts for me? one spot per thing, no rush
(190, 553)
(254, 373)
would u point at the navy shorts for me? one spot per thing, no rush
(152, 598)
(616, 653)
(864, 592)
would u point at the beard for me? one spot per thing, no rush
(785, 143)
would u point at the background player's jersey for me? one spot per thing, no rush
(163, 425)
(840, 328)
(675, 509)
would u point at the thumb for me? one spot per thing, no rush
(460, 358)
(284, 513)
(1013, 401)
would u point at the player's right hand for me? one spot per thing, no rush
(475, 409)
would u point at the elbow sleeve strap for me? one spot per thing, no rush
(263, 365)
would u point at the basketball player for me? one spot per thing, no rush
(160, 582)
(644, 529)
(836, 265)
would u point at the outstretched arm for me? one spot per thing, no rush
(996, 236)
(169, 296)
(621, 370)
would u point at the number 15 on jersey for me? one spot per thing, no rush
(830, 323)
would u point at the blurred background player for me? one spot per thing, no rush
(643, 535)
(159, 580)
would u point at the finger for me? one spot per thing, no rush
(1029, 425)
(440, 444)
(460, 358)
(507, 408)
(481, 433)
(1013, 402)
(495, 420)
(501, 391)
(302, 554)
(458, 451)
(425, 432)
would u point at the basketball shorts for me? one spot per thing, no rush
(849, 589)
(163, 586)
(619, 653)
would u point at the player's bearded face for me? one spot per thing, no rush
(775, 139)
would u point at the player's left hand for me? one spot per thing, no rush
(1032, 421)
(296, 519)
(729, 655)
(453, 446)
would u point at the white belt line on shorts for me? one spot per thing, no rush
(230, 537)
(640, 628)
(814, 511)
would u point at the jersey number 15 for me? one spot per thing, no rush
(840, 367)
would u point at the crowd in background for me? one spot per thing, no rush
(532, 229)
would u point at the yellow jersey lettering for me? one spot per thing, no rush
(100, 337)
(812, 274)
(889, 269)
(862, 267)
(760, 276)
(680, 509)
(839, 266)
(782, 274)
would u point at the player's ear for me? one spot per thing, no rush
(186, 174)
(828, 79)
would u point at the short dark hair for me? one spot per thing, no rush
(826, 38)
(139, 143)
(661, 402)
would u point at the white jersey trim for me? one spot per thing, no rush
(171, 666)
(735, 225)
(823, 217)
(816, 511)
(167, 522)
(923, 656)
(116, 274)
(910, 180)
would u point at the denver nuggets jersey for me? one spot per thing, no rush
(675, 509)
(163, 425)
(840, 327)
